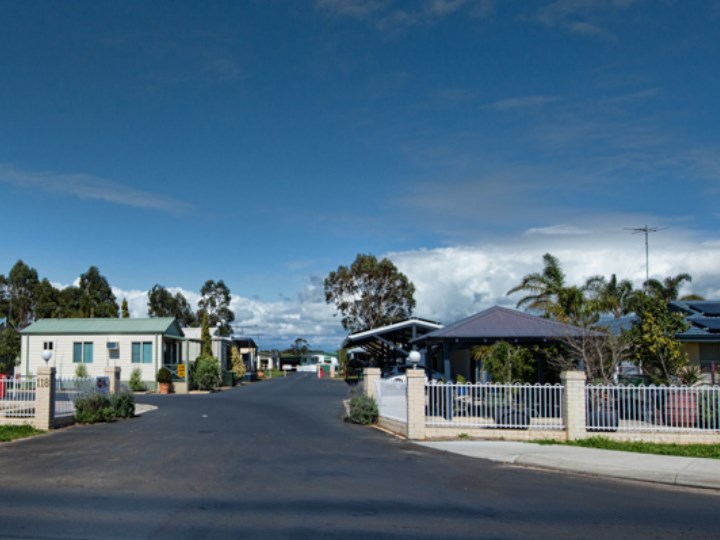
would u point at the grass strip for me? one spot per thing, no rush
(10, 433)
(664, 449)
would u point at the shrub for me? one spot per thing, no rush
(363, 409)
(81, 371)
(123, 403)
(94, 407)
(206, 375)
(164, 376)
(136, 382)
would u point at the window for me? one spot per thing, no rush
(47, 346)
(83, 352)
(113, 348)
(142, 352)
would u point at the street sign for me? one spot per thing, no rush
(181, 371)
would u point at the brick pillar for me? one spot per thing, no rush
(371, 377)
(45, 398)
(415, 404)
(574, 408)
(113, 373)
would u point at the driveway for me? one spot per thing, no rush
(274, 460)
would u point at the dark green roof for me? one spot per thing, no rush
(154, 325)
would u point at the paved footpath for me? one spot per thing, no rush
(673, 470)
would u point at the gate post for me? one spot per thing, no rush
(415, 404)
(372, 375)
(113, 373)
(574, 407)
(45, 398)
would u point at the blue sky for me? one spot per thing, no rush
(267, 142)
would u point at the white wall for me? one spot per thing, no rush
(32, 348)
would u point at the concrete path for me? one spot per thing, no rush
(679, 471)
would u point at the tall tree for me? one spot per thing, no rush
(550, 294)
(205, 338)
(370, 293)
(96, 296)
(611, 295)
(19, 294)
(161, 303)
(124, 310)
(9, 348)
(215, 301)
(70, 298)
(47, 301)
(653, 335)
(669, 288)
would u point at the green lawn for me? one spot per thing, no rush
(9, 433)
(686, 450)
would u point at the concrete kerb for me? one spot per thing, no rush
(670, 470)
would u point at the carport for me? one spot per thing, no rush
(388, 345)
(448, 348)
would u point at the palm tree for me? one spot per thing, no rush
(549, 293)
(544, 287)
(610, 296)
(669, 288)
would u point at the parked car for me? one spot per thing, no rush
(398, 374)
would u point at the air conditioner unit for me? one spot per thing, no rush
(113, 346)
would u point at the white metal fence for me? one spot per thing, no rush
(513, 406)
(391, 397)
(17, 397)
(653, 408)
(67, 390)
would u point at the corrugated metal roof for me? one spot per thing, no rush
(503, 323)
(154, 325)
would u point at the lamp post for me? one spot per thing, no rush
(46, 355)
(414, 358)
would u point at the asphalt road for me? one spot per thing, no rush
(274, 460)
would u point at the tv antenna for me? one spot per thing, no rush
(647, 230)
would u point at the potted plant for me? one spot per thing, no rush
(164, 380)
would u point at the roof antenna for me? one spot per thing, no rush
(646, 230)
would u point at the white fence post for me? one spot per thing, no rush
(45, 398)
(415, 404)
(574, 407)
(372, 375)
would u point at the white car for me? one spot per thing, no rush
(397, 374)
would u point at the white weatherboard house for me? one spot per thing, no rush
(148, 344)
(220, 345)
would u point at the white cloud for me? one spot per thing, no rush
(520, 102)
(554, 230)
(86, 186)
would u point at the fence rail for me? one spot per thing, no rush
(510, 406)
(652, 408)
(17, 397)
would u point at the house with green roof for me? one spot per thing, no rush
(147, 344)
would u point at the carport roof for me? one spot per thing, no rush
(500, 323)
(382, 341)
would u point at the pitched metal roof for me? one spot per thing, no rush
(500, 323)
(154, 325)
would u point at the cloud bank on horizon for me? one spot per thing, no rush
(456, 282)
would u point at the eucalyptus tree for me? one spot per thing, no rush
(215, 301)
(162, 303)
(96, 296)
(17, 293)
(370, 293)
